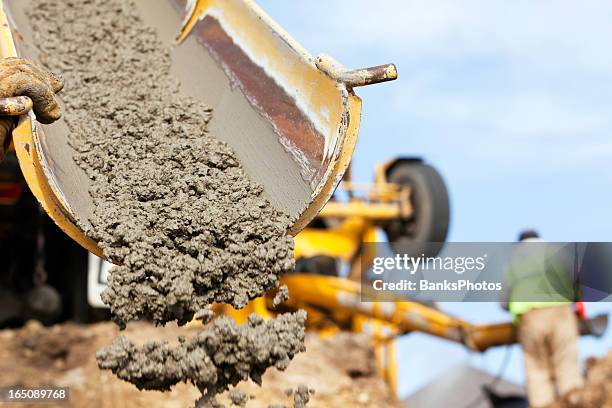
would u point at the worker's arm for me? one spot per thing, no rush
(20, 77)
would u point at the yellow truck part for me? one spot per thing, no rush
(291, 118)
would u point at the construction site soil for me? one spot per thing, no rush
(340, 369)
(597, 391)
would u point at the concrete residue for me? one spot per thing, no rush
(301, 397)
(173, 207)
(238, 397)
(204, 315)
(281, 296)
(214, 359)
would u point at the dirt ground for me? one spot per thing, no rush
(341, 369)
(597, 391)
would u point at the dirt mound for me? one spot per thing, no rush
(339, 369)
(42, 346)
(597, 390)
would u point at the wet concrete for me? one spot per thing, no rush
(238, 397)
(281, 296)
(173, 206)
(215, 359)
(301, 396)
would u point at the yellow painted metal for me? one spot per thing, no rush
(343, 295)
(391, 374)
(380, 171)
(339, 122)
(339, 300)
(331, 106)
(25, 142)
(7, 45)
(322, 195)
(341, 242)
(356, 208)
(241, 316)
(196, 9)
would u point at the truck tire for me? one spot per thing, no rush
(429, 199)
(318, 265)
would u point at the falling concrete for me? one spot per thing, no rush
(174, 209)
(215, 359)
(173, 206)
(281, 296)
(238, 397)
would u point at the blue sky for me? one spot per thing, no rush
(509, 100)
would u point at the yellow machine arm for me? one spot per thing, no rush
(343, 297)
(335, 304)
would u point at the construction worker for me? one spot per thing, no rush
(540, 296)
(20, 77)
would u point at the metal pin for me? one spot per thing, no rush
(355, 77)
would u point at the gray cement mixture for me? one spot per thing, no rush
(213, 360)
(281, 296)
(173, 207)
(301, 396)
(238, 397)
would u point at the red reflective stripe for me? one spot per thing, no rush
(581, 310)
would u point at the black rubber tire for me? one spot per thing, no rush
(318, 265)
(429, 199)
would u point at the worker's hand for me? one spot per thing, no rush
(20, 77)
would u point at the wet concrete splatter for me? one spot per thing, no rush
(238, 397)
(281, 296)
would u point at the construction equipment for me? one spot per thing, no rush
(408, 201)
(302, 113)
(303, 120)
(335, 304)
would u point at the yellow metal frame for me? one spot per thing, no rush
(341, 144)
(335, 304)
(302, 77)
(25, 142)
(372, 211)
